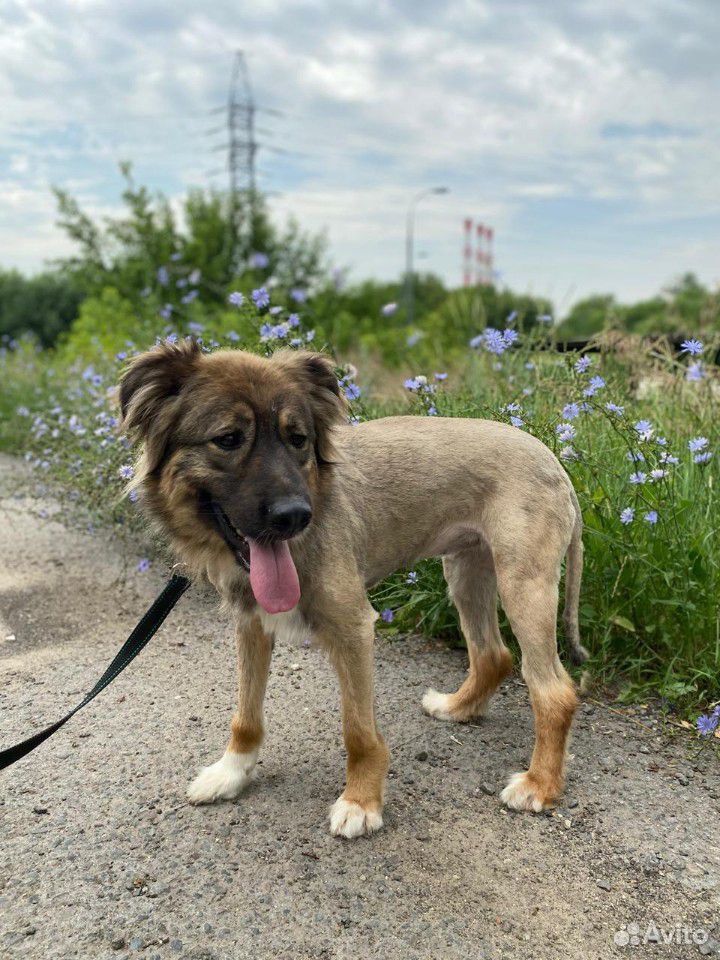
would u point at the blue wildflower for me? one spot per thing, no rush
(388, 309)
(163, 276)
(517, 421)
(236, 298)
(190, 296)
(644, 429)
(565, 432)
(260, 297)
(234, 337)
(695, 372)
(126, 472)
(693, 347)
(144, 565)
(571, 411)
(387, 615)
(707, 724)
(293, 320)
(440, 376)
(352, 391)
(698, 443)
(583, 364)
(614, 408)
(702, 457)
(412, 577)
(596, 383)
(651, 517)
(298, 295)
(258, 261)
(638, 477)
(627, 515)
(432, 410)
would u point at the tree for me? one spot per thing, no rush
(589, 316)
(204, 249)
(44, 305)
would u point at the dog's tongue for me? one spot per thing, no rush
(273, 576)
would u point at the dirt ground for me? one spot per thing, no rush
(102, 856)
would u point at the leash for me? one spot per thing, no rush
(146, 628)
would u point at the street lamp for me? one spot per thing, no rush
(409, 248)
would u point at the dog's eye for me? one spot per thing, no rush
(298, 440)
(229, 441)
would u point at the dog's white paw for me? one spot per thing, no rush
(223, 780)
(436, 704)
(351, 820)
(523, 793)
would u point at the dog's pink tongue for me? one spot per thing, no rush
(273, 576)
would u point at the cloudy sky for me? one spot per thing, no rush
(587, 132)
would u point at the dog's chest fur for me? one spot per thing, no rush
(289, 628)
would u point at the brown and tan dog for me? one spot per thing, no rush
(250, 468)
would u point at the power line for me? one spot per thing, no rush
(242, 150)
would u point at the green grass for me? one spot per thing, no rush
(649, 610)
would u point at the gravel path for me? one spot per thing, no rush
(101, 856)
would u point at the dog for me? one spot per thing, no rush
(250, 467)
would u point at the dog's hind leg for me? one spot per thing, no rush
(225, 779)
(573, 577)
(470, 577)
(530, 600)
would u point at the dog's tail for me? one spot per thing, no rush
(573, 577)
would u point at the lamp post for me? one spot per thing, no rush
(410, 248)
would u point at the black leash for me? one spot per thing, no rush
(148, 626)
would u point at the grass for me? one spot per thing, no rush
(650, 604)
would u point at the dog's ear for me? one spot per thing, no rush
(316, 375)
(149, 394)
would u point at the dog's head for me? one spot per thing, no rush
(234, 450)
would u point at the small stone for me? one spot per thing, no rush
(488, 789)
(137, 943)
(176, 945)
(422, 755)
(604, 885)
(571, 804)
(40, 810)
(682, 780)
(117, 944)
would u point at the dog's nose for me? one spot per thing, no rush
(288, 517)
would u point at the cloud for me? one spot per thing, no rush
(585, 131)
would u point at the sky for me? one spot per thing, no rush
(585, 132)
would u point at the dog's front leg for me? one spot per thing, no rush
(358, 810)
(225, 779)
